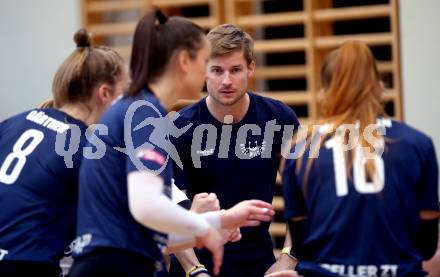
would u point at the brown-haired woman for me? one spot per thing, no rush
(125, 208)
(38, 190)
(367, 204)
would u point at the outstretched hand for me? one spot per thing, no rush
(246, 213)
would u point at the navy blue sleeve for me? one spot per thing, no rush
(290, 116)
(146, 143)
(294, 202)
(429, 181)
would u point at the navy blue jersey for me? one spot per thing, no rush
(355, 227)
(38, 189)
(104, 218)
(235, 169)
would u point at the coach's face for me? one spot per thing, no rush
(227, 77)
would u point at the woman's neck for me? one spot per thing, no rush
(81, 112)
(166, 90)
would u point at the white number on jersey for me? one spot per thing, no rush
(360, 181)
(19, 154)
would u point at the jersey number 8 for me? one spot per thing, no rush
(19, 153)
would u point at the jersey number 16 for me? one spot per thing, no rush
(361, 184)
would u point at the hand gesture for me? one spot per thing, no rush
(204, 202)
(246, 213)
(213, 241)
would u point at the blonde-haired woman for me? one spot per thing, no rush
(38, 189)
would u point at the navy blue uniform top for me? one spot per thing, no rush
(244, 169)
(355, 228)
(38, 190)
(104, 218)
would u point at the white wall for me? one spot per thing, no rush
(420, 52)
(35, 37)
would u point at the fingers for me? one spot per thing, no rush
(260, 217)
(258, 211)
(236, 238)
(249, 210)
(204, 195)
(256, 215)
(213, 242)
(205, 202)
(235, 235)
(200, 195)
(212, 196)
(217, 254)
(259, 203)
(250, 223)
(217, 259)
(259, 207)
(213, 201)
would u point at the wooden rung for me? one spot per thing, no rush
(278, 203)
(359, 12)
(289, 97)
(280, 72)
(278, 180)
(273, 19)
(304, 121)
(114, 6)
(280, 45)
(204, 22)
(371, 39)
(389, 95)
(385, 67)
(127, 28)
(242, 1)
(107, 29)
(179, 3)
(124, 51)
(277, 229)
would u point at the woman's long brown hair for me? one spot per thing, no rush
(351, 95)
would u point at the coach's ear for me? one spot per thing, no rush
(251, 69)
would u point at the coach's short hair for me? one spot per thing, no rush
(227, 38)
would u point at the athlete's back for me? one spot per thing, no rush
(367, 204)
(355, 226)
(40, 157)
(37, 188)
